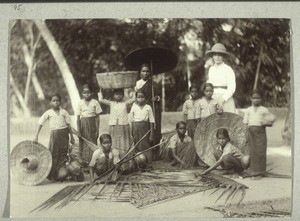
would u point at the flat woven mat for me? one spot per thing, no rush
(279, 207)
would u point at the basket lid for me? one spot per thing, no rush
(205, 134)
(30, 162)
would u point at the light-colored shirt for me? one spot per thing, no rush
(222, 75)
(189, 108)
(139, 84)
(113, 154)
(206, 108)
(88, 110)
(57, 120)
(176, 140)
(230, 149)
(254, 115)
(144, 113)
(118, 111)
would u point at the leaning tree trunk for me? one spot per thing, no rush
(61, 62)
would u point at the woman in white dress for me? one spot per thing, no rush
(222, 77)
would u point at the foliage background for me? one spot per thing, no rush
(100, 45)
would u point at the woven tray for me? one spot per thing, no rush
(115, 80)
(205, 134)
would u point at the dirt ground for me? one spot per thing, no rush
(25, 198)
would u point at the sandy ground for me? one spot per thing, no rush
(26, 198)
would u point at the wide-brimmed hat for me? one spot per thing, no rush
(218, 48)
(30, 162)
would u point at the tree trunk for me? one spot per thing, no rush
(258, 67)
(20, 97)
(61, 62)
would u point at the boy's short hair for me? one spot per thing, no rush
(204, 86)
(86, 87)
(55, 95)
(119, 90)
(193, 87)
(256, 91)
(180, 123)
(139, 91)
(103, 137)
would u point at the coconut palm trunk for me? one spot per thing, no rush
(61, 62)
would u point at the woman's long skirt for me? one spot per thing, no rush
(257, 141)
(120, 138)
(228, 106)
(139, 129)
(58, 146)
(88, 131)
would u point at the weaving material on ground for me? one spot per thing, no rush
(145, 189)
(280, 207)
(205, 134)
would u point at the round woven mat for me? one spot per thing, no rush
(21, 157)
(205, 134)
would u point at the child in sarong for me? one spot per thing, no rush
(103, 158)
(228, 156)
(181, 147)
(60, 130)
(118, 121)
(257, 138)
(207, 105)
(142, 123)
(88, 122)
(189, 111)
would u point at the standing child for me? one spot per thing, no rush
(228, 156)
(118, 121)
(103, 158)
(257, 139)
(207, 105)
(142, 119)
(88, 122)
(60, 129)
(182, 150)
(189, 111)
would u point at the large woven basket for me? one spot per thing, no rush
(115, 80)
(205, 134)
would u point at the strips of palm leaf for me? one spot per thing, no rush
(229, 186)
(279, 207)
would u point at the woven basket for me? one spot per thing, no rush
(205, 134)
(115, 80)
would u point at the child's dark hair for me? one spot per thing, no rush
(55, 95)
(206, 85)
(139, 92)
(103, 137)
(224, 132)
(193, 87)
(87, 86)
(180, 123)
(119, 90)
(256, 91)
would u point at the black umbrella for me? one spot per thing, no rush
(159, 59)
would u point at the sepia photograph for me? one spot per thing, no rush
(149, 110)
(150, 118)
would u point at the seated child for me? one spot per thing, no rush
(228, 156)
(103, 158)
(182, 150)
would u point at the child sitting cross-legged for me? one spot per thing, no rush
(181, 148)
(103, 158)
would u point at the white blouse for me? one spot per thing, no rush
(222, 75)
(138, 113)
